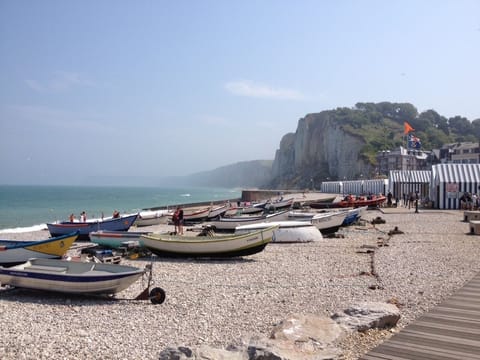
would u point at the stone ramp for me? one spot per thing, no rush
(450, 331)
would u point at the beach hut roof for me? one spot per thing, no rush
(410, 176)
(456, 173)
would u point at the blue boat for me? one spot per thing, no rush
(353, 215)
(122, 223)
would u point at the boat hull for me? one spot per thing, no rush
(70, 276)
(229, 224)
(116, 239)
(84, 228)
(214, 246)
(149, 218)
(287, 232)
(329, 223)
(17, 252)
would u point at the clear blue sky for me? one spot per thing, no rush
(157, 88)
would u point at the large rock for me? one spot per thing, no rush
(368, 315)
(300, 328)
(299, 336)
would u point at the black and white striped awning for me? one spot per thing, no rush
(456, 173)
(410, 176)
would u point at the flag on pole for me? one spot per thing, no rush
(414, 142)
(407, 127)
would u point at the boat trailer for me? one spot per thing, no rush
(156, 295)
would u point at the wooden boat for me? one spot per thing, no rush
(233, 211)
(230, 223)
(13, 252)
(329, 222)
(353, 215)
(325, 200)
(218, 211)
(195, 215)
(279, 204)
(116, 239)
(289, 231)
(73, 277)
(254, 209)
(246, 209)
(209, 246)
(323, 204)
(149, 218)
(122, 223)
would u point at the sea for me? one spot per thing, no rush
(29, 208)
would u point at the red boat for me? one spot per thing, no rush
(370, 200)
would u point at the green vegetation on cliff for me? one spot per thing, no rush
(381, 126)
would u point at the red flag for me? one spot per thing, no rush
(408, 128)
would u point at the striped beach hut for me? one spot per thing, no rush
(410, 181)
(356, 187)
(450, 181)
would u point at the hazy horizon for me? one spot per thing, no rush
(155, 89)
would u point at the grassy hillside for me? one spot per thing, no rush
(381, 125)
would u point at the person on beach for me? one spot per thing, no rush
(389, 199)
(72, 218)
(83, 216)
(178, 220)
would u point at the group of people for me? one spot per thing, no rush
(83, 216)
(469, 201)
(411, 199)
(177, 219)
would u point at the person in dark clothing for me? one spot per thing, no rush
(389, 199)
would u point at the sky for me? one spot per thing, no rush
(115, 88)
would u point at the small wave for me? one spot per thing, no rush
(185, 195)
(19, 230)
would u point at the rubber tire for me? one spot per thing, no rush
(157, 296)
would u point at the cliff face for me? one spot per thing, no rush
(319, 150)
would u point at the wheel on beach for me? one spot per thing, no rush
(157, 296)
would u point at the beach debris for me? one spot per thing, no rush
(395, 231)
(207, 230)
(378, 220)
(395, 302)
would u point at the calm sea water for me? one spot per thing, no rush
(28, 208)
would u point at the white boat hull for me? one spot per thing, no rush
(149, 218)
(229, 224)
(328, 223)
(70, 276)
(287, 232)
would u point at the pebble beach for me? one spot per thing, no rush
(230, 301)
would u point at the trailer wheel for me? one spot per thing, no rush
(157, 296)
